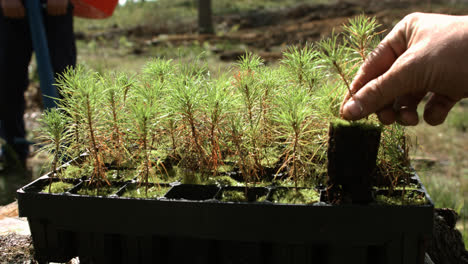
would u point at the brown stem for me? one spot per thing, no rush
(343, 77)
(94, 149)
(296, 139)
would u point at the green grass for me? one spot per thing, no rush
(439, 158)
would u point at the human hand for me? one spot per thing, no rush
(57, 7)
(424, 53)
(12, 8)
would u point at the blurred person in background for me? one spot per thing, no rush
(15, 55)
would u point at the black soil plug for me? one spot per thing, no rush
(352, 155)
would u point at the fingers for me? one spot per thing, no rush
(13, 9)
(382, 91)
(380, 60)
(437, 108)
(57, 7)
(376, 64)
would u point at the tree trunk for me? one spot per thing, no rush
(205, 21)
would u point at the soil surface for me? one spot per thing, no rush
(16, 248)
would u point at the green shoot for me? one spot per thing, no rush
(302, 64)
(337, 58)
(54, 137)
(362, 34)
(294, 116)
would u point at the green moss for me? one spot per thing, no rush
(225, 168)
(409, 187)
(270, 157)
(363, 124)
(102, 191)
(295, 196)
(76, 172)
(409, 198)
(238, 196)
(120, 175)
(233, 196)
(58, 187)
(223, 181)
(140, 192)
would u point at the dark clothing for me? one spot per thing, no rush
(15, 55)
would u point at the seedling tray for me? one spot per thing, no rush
(191, 225)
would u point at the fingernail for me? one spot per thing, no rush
(353, 108)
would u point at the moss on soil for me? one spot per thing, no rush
(409, 198)
(238, 196)
(76, 172)
(295, 196)
(57, 187)
(120, 175)
(223, 181)
(364, 125)
(101, 191)
(140, 192)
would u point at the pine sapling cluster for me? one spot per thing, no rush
(180, 120)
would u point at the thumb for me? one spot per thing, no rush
(383, 90)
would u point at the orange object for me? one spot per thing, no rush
(94, 8)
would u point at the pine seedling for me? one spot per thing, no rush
(67, 84)
(293, 115)
(54, 137)
(237, 130)
(185, 101)
(127, 83)
(83, 93)
(115, 118)
(159, 70)
(393, 161)
(362, 34)
(145, 116)
(301, 63)
(218, 104)
(248, 86)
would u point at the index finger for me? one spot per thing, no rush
(380, 59)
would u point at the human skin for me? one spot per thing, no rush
(15, 8)
(425, 54)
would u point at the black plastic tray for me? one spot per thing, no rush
(193, 227)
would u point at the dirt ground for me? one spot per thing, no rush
(16, 248)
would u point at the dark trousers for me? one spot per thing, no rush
(15, 55)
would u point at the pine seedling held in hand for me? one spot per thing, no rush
(54, 137)
(362, 34)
